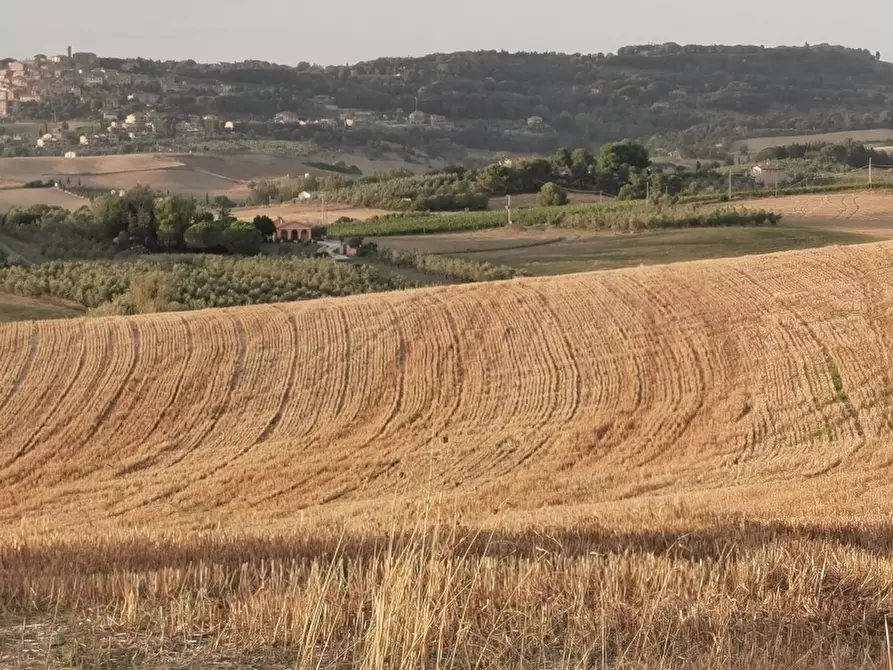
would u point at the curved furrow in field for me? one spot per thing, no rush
(123, 410)
(808, 413)
(218, 362)
(754, 372)
(624, 314)
(694, 362)
(265, 384)
(275, 333)
(262, 385)
(319, 386)
(225, 351)
(65, 450)
(18, 351)
(509, 389)
(739, 415)
(316, 417)
(432, 394)
(601, 419)
(178, 346)
(709, 364)
(448, 358)
(650, 343)
(872, 388)
(85, 437)
(563, 390)
(62, 377)
(840, 320)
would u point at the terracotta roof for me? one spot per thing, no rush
(291, 225)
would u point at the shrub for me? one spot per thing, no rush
(552, 195)
(447, 266)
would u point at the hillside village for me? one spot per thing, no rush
(123, 108)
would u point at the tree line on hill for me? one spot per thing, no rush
(623, 169)
(837, 155)
(139, 220)
(617, 166)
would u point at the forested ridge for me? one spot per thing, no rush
(675, 95)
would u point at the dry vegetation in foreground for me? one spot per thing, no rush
(679, 593)
(674, 467)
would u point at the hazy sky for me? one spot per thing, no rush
(345, 31)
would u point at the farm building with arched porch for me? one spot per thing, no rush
(292, 231)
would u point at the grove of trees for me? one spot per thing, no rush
(138, 220)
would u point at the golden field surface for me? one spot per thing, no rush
(676, 466)
(309, 213)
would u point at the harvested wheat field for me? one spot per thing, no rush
(28, 169)
(26, 197)
(864, 212)
(683, 466)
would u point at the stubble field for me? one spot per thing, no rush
(680, 466)
(860, 212)
(309, 213)
(194, 175)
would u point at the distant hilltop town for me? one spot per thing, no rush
(42, 77)
(142, 104)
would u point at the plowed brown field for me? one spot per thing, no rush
(533, 393)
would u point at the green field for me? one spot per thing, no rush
(584, 253)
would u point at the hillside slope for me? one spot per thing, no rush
(531, 393)
(679, 95)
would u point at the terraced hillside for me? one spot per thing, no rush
(530, 394)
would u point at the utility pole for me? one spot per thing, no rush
(870, 165)
(730, 184)
(508, 207)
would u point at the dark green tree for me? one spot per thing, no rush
(562, 159)
(241, 237)
(223, 206)
(551, 195)
(265, 225)
(203, 236)
(173, 216)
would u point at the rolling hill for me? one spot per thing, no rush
(680, 96)
(756, 381)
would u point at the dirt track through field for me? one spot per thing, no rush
(535, 393)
